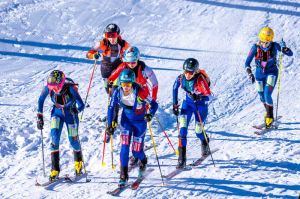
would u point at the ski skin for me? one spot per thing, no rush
(189, 167)
(66, 178)
(135, 185)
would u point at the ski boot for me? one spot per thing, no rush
(269, 122)
(269, 119)
(133, 161)
(78, 167)
(53, 175)
(204, 148)
(55, 166)
(123, 177)
(78, 163)
(182, 158)
(142, 167)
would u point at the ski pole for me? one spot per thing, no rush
(279, 80)
(203, 131)
(112, 153)
(177, 152)
(103, 164)
(43, 152)
(83, 162)
(89, 87)
(165, 134)
(154, 146)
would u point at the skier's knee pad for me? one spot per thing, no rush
(125, 138)
(198, 129)
(72, 130)
(137, 144)
(183, 121)
(259, 86)
(55, 122)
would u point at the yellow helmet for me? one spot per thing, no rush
(266, 34)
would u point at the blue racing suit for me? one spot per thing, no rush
(133, 123)
(266, 69)
(190, 107)
(64, 111)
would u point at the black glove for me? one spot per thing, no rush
(196, 97)
(109, 131)
(148, 117)
(176, 109)
(97, 55)
(251, 76)
(40, 121)
(74, 111)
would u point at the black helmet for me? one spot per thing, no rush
(191, 64)
(56, 77)
(112, 28)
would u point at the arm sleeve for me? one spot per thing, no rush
(113, 102)
(79, 102)
(42, 98)
(175, 90)
(250, 56)
(149, 73)
(116, 73)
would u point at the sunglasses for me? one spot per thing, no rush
(111, 35)
(55, 87)
(188, 72)
(265, 43)
(126, 84)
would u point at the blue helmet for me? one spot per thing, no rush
(131, 54)
(127, 76)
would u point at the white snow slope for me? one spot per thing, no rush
(37, 36)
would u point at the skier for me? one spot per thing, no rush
(64, 95)
(110, 49)
(133, 99)
(144, 74)
(196, 84)
(266, 73)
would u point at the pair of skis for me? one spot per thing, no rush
(66, 178)
(261, 128)
(188, 167)
(134, 185)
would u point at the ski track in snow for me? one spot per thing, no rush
(37, 36)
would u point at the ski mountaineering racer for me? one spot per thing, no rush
(266, 73)
(133, 99)
(196, 84)
(64, 95)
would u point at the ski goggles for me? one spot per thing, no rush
(54, 86)
(131, 63)
(126, 84)
(111, 35)
(188, 72)
(267, 43)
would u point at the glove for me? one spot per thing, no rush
(148, 117)
(74, 111)
(97, 55)
(176, 109)
(196, 97)
(109, 131)
(282, 44)
(251, 76)
(40, 121)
